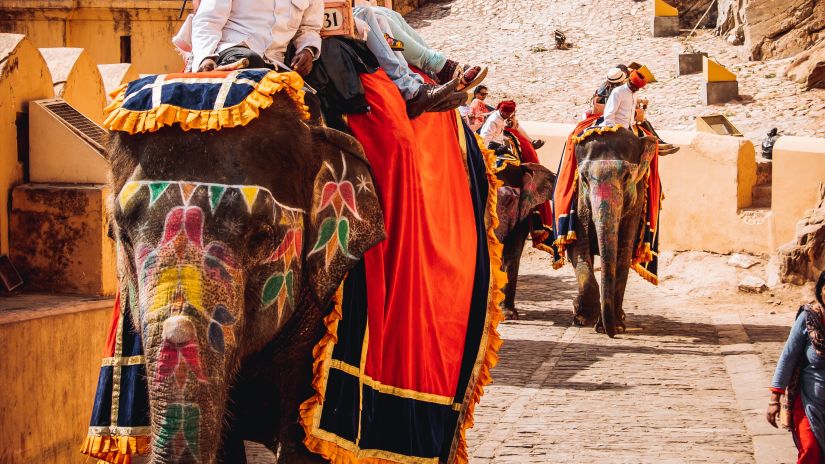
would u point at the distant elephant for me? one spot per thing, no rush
(230, 248)
(612, 168)
(525, 187)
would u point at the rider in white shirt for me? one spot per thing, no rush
(224, 31)
(621, 104)
(493, 129)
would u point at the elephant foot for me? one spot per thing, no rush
(510, 314)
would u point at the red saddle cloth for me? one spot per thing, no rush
(428, 341)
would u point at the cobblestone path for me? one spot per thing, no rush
(515, 39)
(686, 384)
(658, 394)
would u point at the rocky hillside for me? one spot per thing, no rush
(772, 28)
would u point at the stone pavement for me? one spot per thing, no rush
(686, 384)
(662, 393)
(515, 39)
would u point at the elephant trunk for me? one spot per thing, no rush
(606, 200)
(187, 393)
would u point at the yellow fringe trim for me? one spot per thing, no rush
(596, 130)
(122, 119)
(504, 164)
(115, 449)
(645, 274)
(322, 353)
(498, 279)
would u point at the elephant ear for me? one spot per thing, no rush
(537, 187)
(648, 147)
(345, 218)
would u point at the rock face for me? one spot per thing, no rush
(804, 258)
(808, 68)
(772, 28)
(406, 6)
(691, 10)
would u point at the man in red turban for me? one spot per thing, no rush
(493, 129)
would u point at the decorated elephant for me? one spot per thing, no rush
(230, 248)
(526, 186)
(613, 177)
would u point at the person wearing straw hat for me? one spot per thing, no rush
(625, 109)
(615, 77)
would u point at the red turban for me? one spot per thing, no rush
(507, 106)
(637, 79)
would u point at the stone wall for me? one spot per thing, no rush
(772, 28)
(718, 216)
(50, 352)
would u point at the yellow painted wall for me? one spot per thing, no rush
(798, 169)
(50, 363)
(59, 238)
(24, 76)
(705, 185)
(97, 26)
(152, 50)
(77, 80)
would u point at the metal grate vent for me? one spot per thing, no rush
(86, 128)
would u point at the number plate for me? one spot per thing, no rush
(333, 19)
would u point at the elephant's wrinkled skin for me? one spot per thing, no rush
(226, 283)
(526, 186)
(612, 170)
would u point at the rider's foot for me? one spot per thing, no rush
(450, 102)
(667, 149)
(427, 97)
(471, 77)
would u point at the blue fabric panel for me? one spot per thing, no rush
(134, 397)
(102, 410)
(340, 413)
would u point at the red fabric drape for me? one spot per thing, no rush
(421, 277)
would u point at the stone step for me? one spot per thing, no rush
(761, 196)
(763, 171)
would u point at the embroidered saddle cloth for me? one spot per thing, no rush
(203, 101)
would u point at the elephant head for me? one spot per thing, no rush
(612, 171)
(222, 238)
(524, 187)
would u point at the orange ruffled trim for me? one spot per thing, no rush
(498, 279)
(115, 449)
(122, 119)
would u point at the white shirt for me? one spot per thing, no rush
(620, 107)
(265, 26)
(493, 129)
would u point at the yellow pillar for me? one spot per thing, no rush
(77, 80)
(24, 76)
(115, 75)
(663, 10)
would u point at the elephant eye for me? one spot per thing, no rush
(263, 237)
(124, 238)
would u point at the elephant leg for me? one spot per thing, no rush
(586, 305)
(232, 450)
(511, 259)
